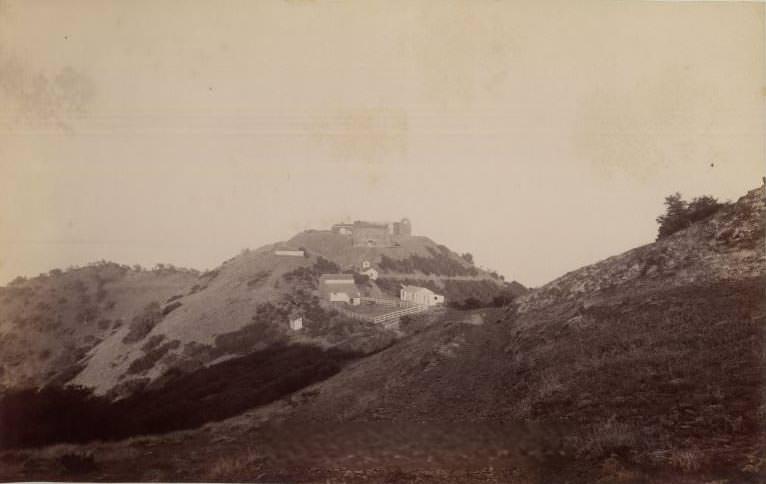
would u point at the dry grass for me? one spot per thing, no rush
(242, 467)
(686, 460)
(606, 437)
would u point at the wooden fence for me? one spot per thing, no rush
(399, 313)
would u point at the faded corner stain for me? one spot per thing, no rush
(34, 97)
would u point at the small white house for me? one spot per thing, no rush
(296, 323)
(420, 295)
(338, 287)
(366, 265)
(289, 253)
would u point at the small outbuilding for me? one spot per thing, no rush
(420, 295)
(296, 323)
(290, 253)
(338, 287)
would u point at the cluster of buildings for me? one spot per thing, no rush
(342, 288)
(375, 234)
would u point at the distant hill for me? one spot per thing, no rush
(114, 329)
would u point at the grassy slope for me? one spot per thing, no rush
(649, 363)
(49, 323)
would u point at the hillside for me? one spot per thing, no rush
(48, 324)
(124, 329)
(644, 367)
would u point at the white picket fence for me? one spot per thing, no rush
(399, 313)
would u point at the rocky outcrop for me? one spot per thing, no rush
(729, 245)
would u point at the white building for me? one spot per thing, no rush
(290, 253)
(420, 295)
(296, 323)
(338, 287)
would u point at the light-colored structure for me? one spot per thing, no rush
(338, 287)
(420, 295)
(296, 323)
(375, 234)
(289, 253)
(371, 272)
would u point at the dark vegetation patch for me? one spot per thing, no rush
(142, 324)
(440, 263)
(53, 414)
(680, 214)
(152, 342)
(171, 307)
(75, 463)
(309, 276)
(147, 361)
(259, 278)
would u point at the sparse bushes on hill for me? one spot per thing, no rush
(680, 214)
(440, 263)
(309, 276)
(143, 323)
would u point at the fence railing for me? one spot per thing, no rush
(399, 313)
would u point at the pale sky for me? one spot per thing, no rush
(539, 136)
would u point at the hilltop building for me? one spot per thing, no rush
(290, 253)
(420, 295)
(338, 288)
(374, 234)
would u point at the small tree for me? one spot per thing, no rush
(679, 214)
(468, 257)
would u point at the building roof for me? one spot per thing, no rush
(375, 225)
(347, 277)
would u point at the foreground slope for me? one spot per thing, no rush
(652, 358)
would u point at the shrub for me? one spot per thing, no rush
(171, 307)
(143, 323)
(680, 214)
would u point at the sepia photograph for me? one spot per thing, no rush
(383, 241)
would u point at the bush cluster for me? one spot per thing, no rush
(439, 263)
(680, 214)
